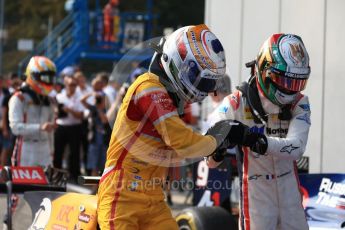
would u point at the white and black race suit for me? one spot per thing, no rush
(270, 194)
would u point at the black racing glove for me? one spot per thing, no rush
(227, 133)
(219, 155)
(257, 142)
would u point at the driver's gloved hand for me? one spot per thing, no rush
(257, 142)
(227, 133)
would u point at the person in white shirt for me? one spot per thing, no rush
(209, 114)
(68, 131)
(84, 89)
(108, 89)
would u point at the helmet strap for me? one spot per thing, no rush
(285, 113)
(250, 92)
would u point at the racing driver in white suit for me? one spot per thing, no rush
(31, 115)
(276, 118)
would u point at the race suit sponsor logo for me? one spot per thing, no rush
(254, 177)
(288, 149)
(256, 129)
(162, 100)
(305, 117)
(133, 186)
(223, 109)
(248, 113)
(305, 107)
(331, 194)
(134, 170)
(137, 177)
(271, 131)
(84, 218)
(268, 176)
(140, 162)
(235, 100)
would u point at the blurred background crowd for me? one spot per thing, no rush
(85, 109)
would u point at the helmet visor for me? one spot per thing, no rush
(203, 80)
(288, 82)
(46, 77)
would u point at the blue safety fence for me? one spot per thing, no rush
(80, 35)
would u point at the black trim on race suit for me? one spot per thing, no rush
(250, 92)
(36, 98)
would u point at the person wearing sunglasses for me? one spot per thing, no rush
(31, 115)
(149, 134)
(70, 113)
(276, 121)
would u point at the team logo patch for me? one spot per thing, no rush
(223, 109)
(305, 107)
(254, 177)
(305, 117)
(162, 100)
(133, 186)
(256, 129)
(134, 170)
(248, 113)
(288, 149)
(235, 100)
(277, 131)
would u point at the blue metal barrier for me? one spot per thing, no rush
(71, 39)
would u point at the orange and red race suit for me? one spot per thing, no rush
(148, 137)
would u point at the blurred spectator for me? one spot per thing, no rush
(31, 115)
(210, 105)
(8, 137)
(59, 86)
(109, 91)
(68, 132)
(109, 11)
(136, 73)
(83, 89)
(67, 71)
(114, 108)
(99, 132)
(3, 94)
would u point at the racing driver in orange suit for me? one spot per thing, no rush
(149, 135)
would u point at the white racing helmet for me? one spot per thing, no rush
(194, 60)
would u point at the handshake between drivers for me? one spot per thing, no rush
(229, 133)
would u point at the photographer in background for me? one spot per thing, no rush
(68, 132)
(112, 111)
(99, 131)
